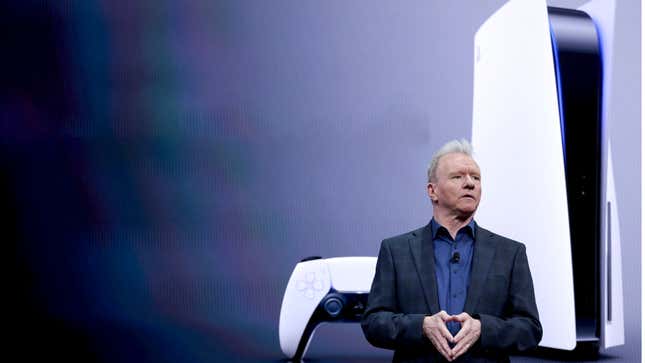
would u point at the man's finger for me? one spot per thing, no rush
(460, 348)
(450, 318)
(461, 317)
(443, 342)
(465, 329)
(442, 346)
(463, 346)
(443, 315)
(443, 330)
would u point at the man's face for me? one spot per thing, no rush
(456, 188)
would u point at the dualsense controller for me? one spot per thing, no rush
(323, 291)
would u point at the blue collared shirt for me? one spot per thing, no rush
(453, 278)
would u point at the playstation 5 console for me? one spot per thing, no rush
(540, 115)
(322, 291)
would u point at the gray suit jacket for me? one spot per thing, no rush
(404, 291)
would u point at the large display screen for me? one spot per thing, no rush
(164, 165)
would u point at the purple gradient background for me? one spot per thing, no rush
(166, 164)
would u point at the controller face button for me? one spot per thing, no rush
(310, 277)
(311, 284)
(318, 285)
(333, 306)
(309, 294)
(301, 285)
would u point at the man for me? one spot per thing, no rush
(452, 291)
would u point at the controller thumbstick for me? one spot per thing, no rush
(333, 306)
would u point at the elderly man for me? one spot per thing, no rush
(452, 290)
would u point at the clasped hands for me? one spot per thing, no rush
(434, 327)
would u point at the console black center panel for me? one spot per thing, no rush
(578, 62)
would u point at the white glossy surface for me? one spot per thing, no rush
(518, 145)
(352, 274)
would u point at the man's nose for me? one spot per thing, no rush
(470, 182)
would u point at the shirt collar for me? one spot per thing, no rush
(435, 227)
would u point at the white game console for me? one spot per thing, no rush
(323, 291)
(542, 83)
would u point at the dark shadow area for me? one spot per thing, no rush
(32, 103)
(582, 353)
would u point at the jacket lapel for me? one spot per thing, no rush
(422, 251)
(483, 255)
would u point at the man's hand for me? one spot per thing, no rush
(434, 327)
(470, 331)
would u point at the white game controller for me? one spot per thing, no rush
(322, 291)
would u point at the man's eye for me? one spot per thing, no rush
(476, 178)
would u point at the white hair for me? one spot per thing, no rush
(453, 146)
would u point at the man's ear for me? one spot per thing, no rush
(431, 192)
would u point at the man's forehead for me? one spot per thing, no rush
(457, 159)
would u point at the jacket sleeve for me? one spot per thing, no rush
(519, 329)
(383, 325)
